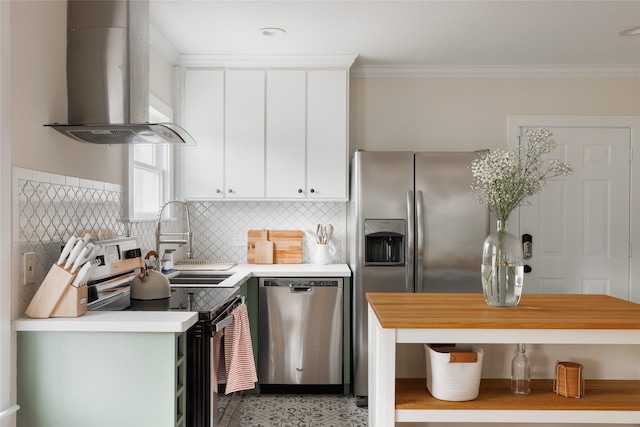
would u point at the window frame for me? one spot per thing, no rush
(159, 112)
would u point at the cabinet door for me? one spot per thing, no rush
(286, 134)
(327, 151)
(201, 166)
(244, 133)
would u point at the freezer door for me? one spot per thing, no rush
(381, 192)
(450, 225)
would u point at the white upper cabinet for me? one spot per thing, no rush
(244, 134)
(327, 149)
(201, 166)
(279, 134)
(286, 134)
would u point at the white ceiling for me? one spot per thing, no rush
(415, 37)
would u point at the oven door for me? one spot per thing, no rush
(201, 396)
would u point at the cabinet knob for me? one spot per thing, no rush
(217, 190)
(299, 190)
(230, 191)
(312, 190)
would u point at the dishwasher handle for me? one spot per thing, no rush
(300, 288)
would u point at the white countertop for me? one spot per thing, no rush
(292, 270)
(113, 321)
(172, 321)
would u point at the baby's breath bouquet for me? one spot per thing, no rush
(503, 180)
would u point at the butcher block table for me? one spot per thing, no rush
(591, 322)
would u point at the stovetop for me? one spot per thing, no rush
(203, 299)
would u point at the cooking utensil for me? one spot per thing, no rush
(287, 245)
(264, 250)
(77, 249)
(88, 253)
(85, 273)
(150, 284)
(67, 249)
(328, 232)
(82, 274)
(319, 233)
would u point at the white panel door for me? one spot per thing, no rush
(286, 134)
(580, 223)
(201, 166)
(327, 151)
(244, 133)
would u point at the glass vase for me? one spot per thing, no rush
(502, 268)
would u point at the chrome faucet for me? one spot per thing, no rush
(183, 238)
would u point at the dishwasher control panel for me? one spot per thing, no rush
(302, 281)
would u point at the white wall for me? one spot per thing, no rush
(7, 343)
(465, 113)
(38, 82)
(161, 78)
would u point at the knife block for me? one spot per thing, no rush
(56, 297)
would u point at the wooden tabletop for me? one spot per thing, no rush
(469, 311)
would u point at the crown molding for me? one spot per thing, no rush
(267, 61)
(496, 71)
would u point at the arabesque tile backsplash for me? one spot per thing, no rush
(48, 208)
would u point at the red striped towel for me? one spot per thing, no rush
(218, 371)
(241, 369)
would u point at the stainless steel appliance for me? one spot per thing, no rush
(300, 339)
(415, 227)
(108, 76)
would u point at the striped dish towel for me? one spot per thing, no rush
(238, 352)
(218, 371)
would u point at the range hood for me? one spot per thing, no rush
(108, 76)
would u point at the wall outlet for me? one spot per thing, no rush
(239, 239)
(28, 268)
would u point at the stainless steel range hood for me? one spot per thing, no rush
(108, 75)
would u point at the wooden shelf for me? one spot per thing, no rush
(600, 395)
(594, 321)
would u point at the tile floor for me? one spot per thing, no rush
(300, 410)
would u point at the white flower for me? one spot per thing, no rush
(504, 179)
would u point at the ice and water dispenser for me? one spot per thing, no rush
(384, 242)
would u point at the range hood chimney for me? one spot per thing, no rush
(108, 75)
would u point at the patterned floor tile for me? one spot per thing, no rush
(301, 411)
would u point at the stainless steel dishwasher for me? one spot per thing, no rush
(300, 328)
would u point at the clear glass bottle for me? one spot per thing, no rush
(520, 372)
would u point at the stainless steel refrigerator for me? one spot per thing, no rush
(414, 227)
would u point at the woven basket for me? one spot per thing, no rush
(454, 372)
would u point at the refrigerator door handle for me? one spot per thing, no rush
(419, 286)
(409, 282)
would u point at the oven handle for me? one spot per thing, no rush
(225, 318)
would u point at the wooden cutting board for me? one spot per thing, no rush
(263, 249)
(287, 245)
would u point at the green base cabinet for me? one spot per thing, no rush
(101, 379)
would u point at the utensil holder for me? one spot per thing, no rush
(568, 380)
(56, 297)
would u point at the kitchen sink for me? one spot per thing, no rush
(198, 278)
